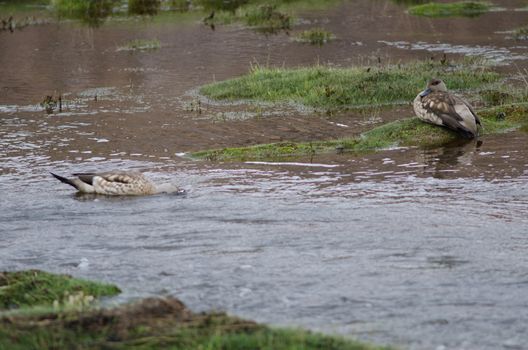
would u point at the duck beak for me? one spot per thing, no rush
(425, 92)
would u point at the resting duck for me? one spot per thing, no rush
(437, 106)
(116, 183)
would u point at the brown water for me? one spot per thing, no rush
(425, 249)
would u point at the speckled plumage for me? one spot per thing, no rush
(115, 183)
(437, 106)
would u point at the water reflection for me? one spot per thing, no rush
(457, 154)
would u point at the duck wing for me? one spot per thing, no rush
(110, 176)
(470, 107)
(454, 112)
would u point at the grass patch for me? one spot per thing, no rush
(24, 289)
(265, 17)
(333, 88)
(140, 45)
(464, 9)
(315, 36)
(152, 323)
(8, 8)
(407, 132)
(92, 12)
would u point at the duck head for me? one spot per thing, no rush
(433, 86)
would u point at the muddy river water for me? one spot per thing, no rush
(422, 249)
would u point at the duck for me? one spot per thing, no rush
(116, 183)
(436, 105)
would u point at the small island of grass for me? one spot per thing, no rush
(406, 132)
(365, 87)
(331, 88)
(464, 8)
(265, 17)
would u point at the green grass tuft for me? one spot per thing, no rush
(315, 36)
(330, 88)
(25, 289)
(464, 8)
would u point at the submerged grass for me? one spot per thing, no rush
(407, 132)
(464, 8)
(152, 323)
(521, 33)
(330, 88)
(140, 44)
(315, 36)
(31, 288)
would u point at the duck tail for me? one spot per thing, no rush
(64, 180)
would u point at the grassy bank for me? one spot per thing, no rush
(330, 88)
(407, 132)
(154, 323)
(464, 8)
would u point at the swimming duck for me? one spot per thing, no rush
(116, 183)
(437, 106)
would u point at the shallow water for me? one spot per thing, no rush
(425, 249)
